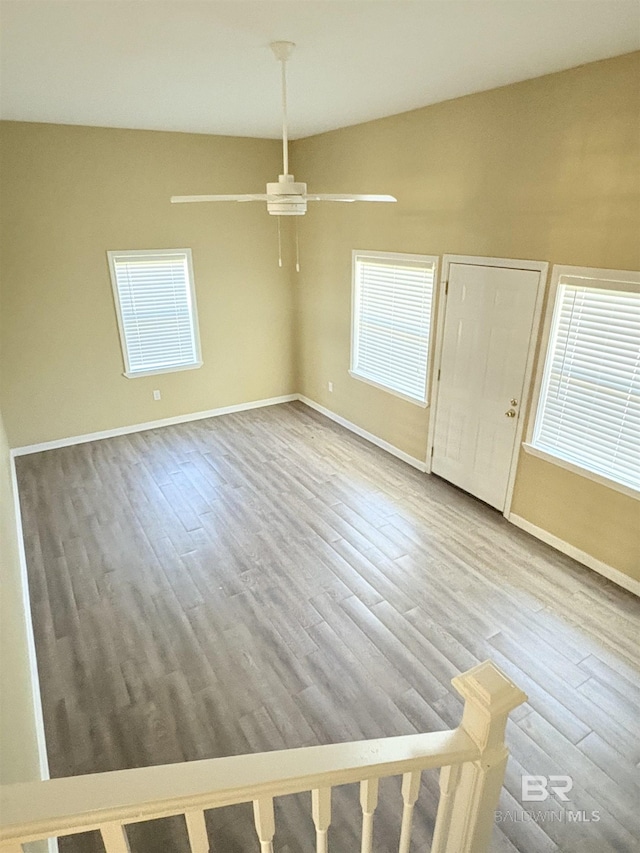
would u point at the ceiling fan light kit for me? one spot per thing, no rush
(286, 196)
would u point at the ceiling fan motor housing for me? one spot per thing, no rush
(287, 197)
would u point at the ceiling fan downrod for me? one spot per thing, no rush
(282, 50)
(287, 194)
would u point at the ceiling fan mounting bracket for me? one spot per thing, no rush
(282, 50)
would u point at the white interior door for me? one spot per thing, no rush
(488, 322)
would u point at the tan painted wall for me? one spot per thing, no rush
(19, 755)
(71, 193)
(546, 170)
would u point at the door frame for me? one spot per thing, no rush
(542, 268)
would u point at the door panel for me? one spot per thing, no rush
(488, 321)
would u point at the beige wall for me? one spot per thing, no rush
(19, 753)
(71, 193)
(545, 170)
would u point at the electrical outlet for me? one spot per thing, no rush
(330, 386)
(156, 395)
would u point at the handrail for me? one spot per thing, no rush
(34, 810)
(473, 756)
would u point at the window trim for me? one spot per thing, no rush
(606, 278)
(433, 260)
(135, 374)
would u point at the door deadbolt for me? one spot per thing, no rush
(513, 402)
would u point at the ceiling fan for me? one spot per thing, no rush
(286, 196)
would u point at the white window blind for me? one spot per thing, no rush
(589, 411)
(155, 303)
(393, 296)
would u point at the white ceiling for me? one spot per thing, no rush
(205, 67)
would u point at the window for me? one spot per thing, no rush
(392, 300)
(156, 307)
(589, 406)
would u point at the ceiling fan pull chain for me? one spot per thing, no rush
(297, 250)
(279, 243)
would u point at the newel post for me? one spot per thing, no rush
(469, 793)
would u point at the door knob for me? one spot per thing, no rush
(511, 413)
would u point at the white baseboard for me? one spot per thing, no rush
(618, 577)
(38, 718)
(126, 430)
(588, 560)
(51, 845)
(615, 575)
(212, 413)
(369, 436)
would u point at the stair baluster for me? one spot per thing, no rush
(197, 831)
(114, 836)
(265, 823)
(321, 811)
(368, 801)
(410, 790)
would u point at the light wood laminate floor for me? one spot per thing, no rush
(267, 580)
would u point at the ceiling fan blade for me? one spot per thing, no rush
(348, 197)
(286, 196)
(180, 199)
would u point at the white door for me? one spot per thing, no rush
(489, 316)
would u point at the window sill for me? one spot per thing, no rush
(422, 403)
(140, 373)
(582, 472)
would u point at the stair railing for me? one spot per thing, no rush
(472, 759)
